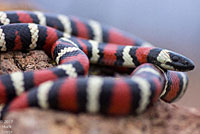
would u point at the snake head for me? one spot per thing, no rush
(172, 61)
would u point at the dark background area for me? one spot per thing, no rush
(170, 24)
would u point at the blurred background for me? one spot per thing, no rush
(170, 24)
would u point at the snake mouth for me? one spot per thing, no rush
(187, 65)
(180, 62)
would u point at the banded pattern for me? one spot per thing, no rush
(58, 87)
(176, 81)
(96, 94)
(130, 56)
(89, 29)
(73, 63)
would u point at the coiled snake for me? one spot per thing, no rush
(65, 86)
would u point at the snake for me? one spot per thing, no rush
(74, 43)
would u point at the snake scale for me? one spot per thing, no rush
(74, 43)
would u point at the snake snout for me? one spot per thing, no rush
(180, 62)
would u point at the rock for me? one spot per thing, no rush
(161, 119)
(18, 61)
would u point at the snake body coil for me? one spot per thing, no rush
(94, 94)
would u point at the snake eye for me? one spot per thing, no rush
(175, 58)
(186, 62)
